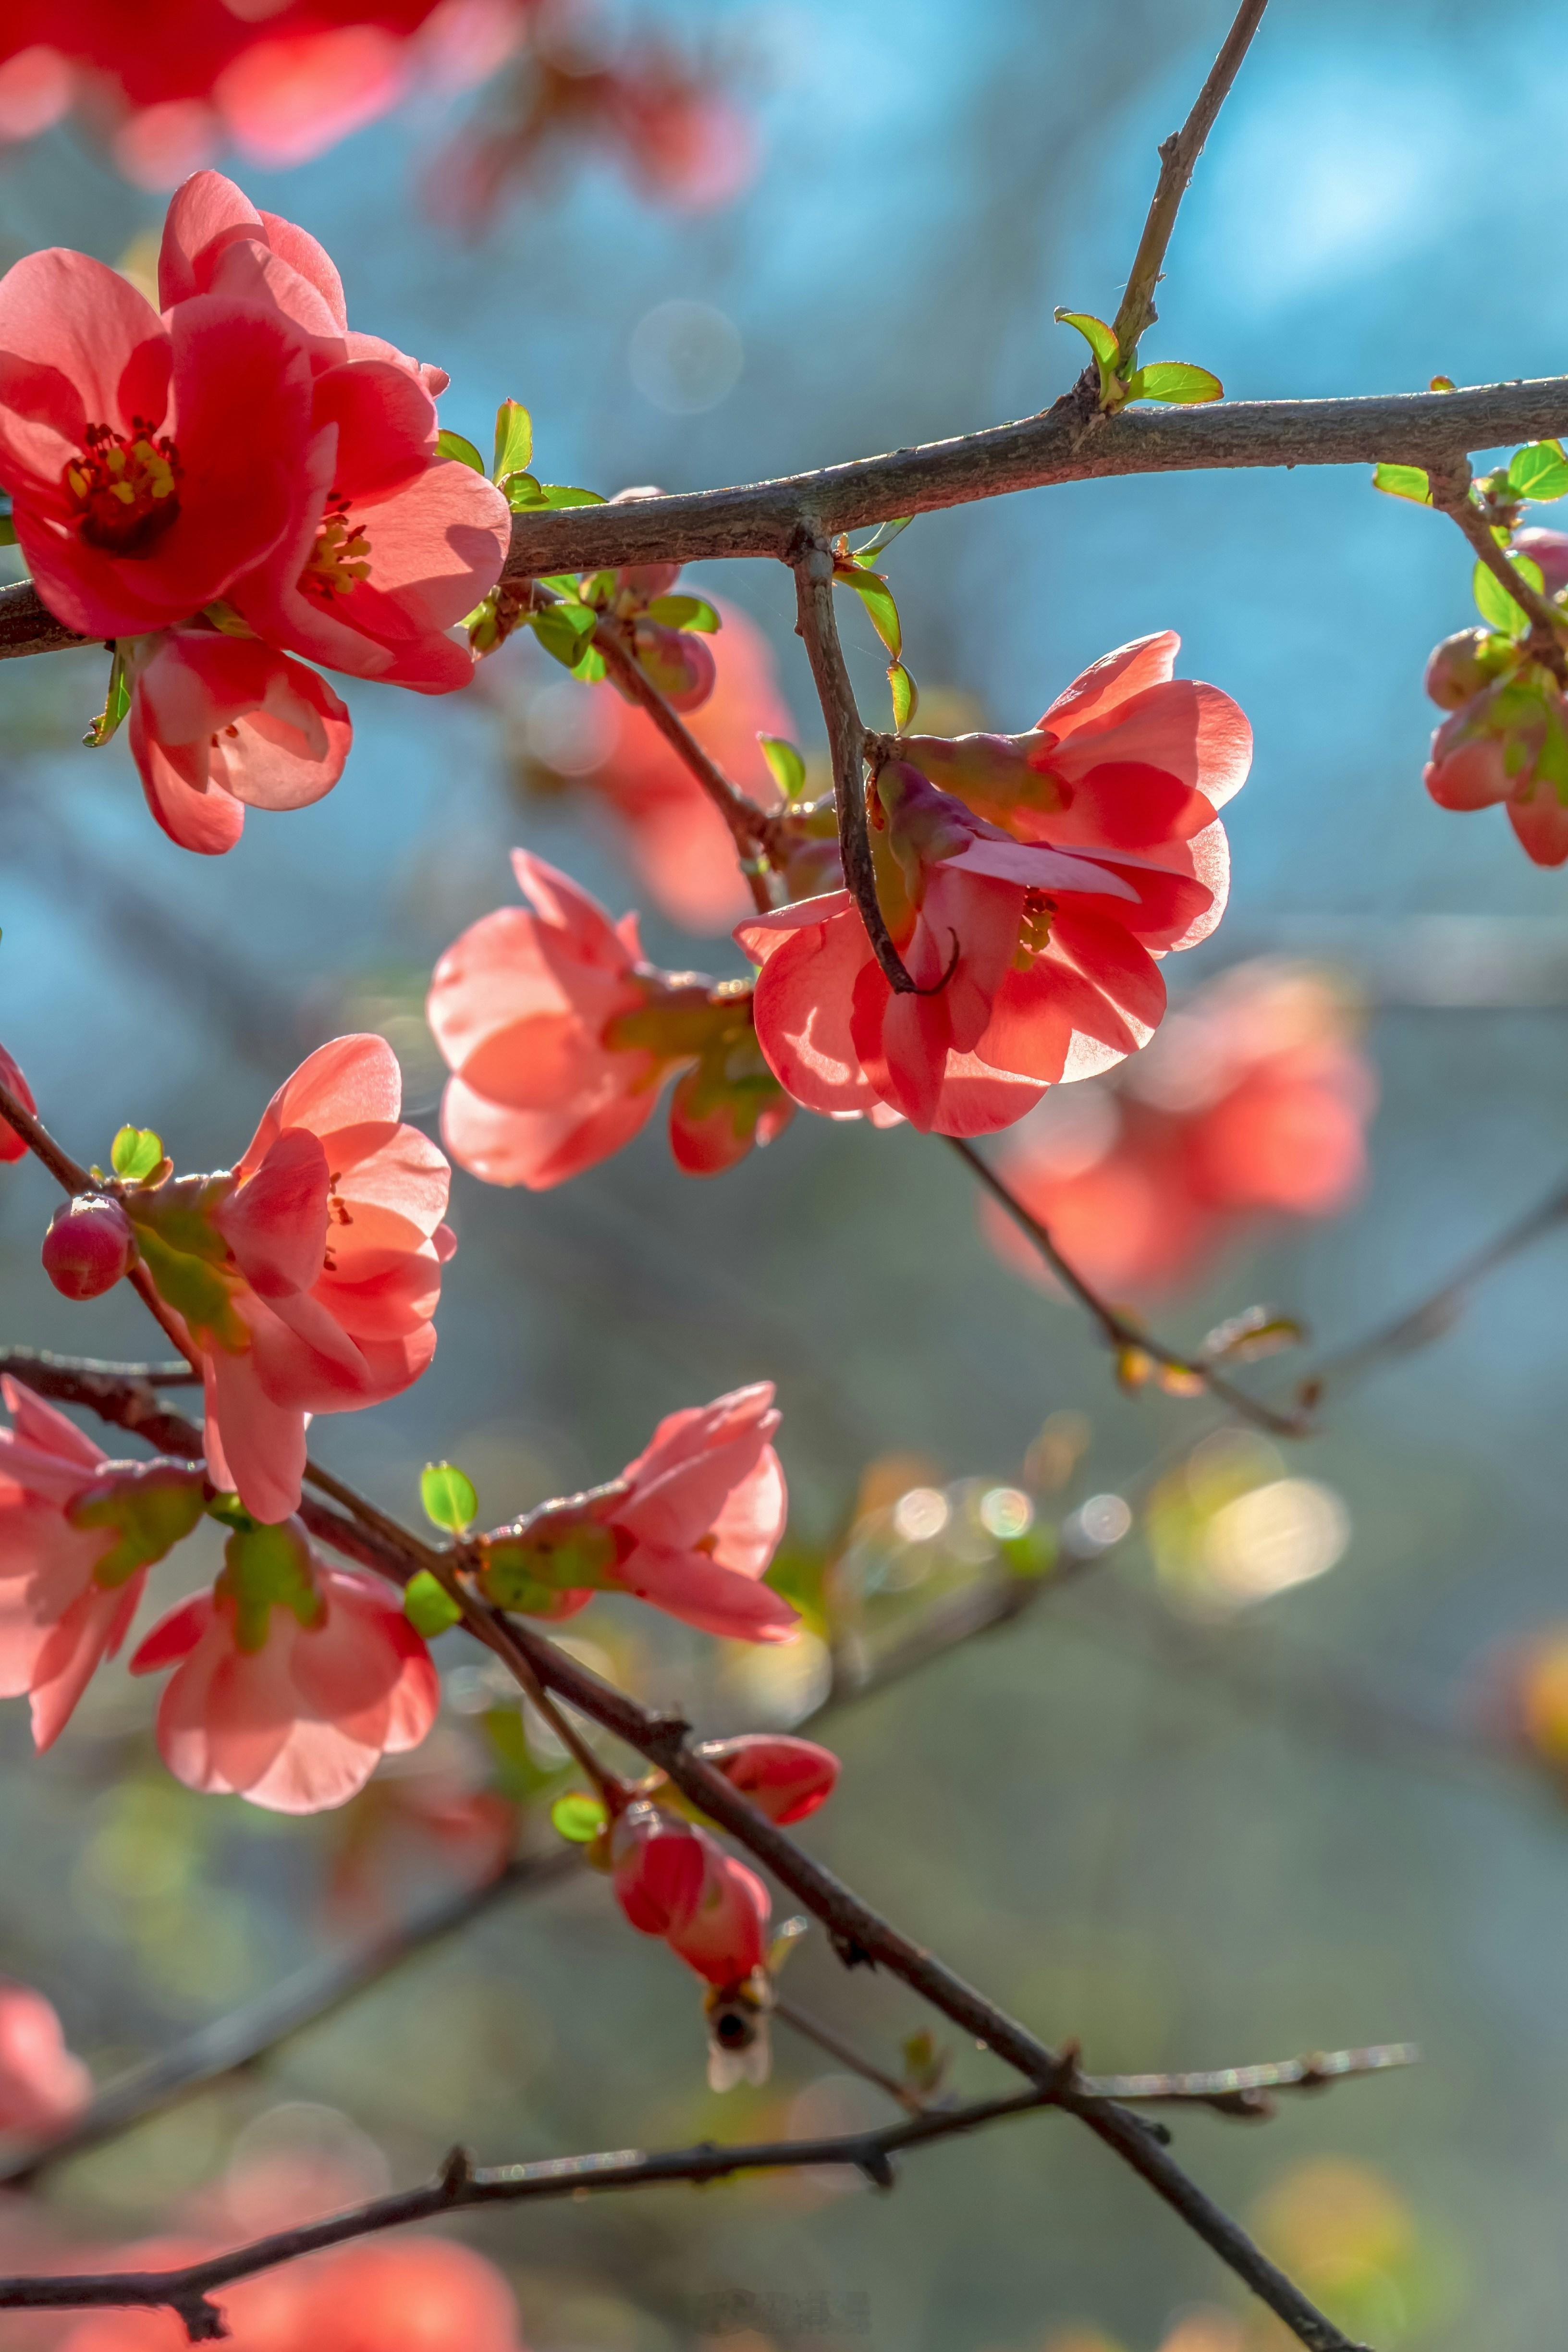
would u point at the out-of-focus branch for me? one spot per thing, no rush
(1178, 157)
(1249, 2091)
(817, 626)
(1117, 1331)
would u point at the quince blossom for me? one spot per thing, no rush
(77, 1534)
(306, 1277)
(690, 1525)
(291, 1679)
(674, 1880)
(43, 2087)
(1030, 883)
(560, 1038)
(12, 1147)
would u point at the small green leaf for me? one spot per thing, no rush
(905, 694)
(1175, 381)
(1539, 471)
(562, 630)
(514, 439)
(452, 445)
(590, 666)
(1100, 339)
(135, 1152)
(449, 1496)
(116, 703)
(685, 612)
(1493, 602)
(1403, 482)
(883, 536)
(786, 765)
(521, 492)
(427, 1605)
(577, 1817)
(878, 598)
(551, 494)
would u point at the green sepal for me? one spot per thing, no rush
(514, 439)
(560, 1549)
(186, 1256)
(267, 1568)
(230, 1512)
(453, 444)
(685, 612)
(578, 1817)
(1539, 471)
(878, 598)
(1176, 382)
(135, 1152)
(1403, 482)
(151, 1505)
(429, 1606)
(447, 1495)
(786, 765)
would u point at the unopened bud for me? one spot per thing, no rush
(1548, 549)
(90, 1244)
(646, 580)
(678, 663)
(1455, 672)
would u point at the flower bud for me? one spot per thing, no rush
(677, 661)
(1455, 671)
(646, 580)
(784, 1778)
(1548, 549)
(89, 1246)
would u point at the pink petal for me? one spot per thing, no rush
(275, 1223)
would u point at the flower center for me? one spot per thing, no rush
(125, 487)
(1034, 928)
(341, 557)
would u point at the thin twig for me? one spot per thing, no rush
(751, 826)
(818, 625)
(1451, 496)
(1248, 2091)
(811, 2029)
(67, 1173)
(1116, 1329)
(1178, 156)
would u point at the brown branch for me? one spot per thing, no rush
(66, 1172)
(817, 626)
(1178, 157)
(1115, 1328)
(766, 518)
(751, 826)
(1451, 496)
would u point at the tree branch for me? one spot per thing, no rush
(1178, 156)
(817, 626)
(766, 518)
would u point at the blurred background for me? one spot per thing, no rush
(1280, 1774)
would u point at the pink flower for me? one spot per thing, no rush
(560, 1038)
(784, 1778)
(77, 1534)
(12, 1147)
(42, 2086)
(393, 543)
(309, 1274)
(1031, 938)
(291, 1679)
(674, 1880)
(138, 496)
(689, 1527)
(219, 724)
(1510, 743)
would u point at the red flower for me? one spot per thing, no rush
(42, 2086)
(219, 724)
(785, 1778)
(1251, 1102)
(138, 498)
(560, 1038)
(689, 1527)
(675, 1880)
(1508, 742)
(11, 1144)
(308, 1275)
(292, 1679)
(393, 543)
(77, 1534)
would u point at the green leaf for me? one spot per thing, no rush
(685, 612)
(1175, 381)
(116, 703)
(561, 629)
(135, 1152)
(514, 439)
(1100, 339)
(1539, 471)
(883, 536)
(452, 445)
(1493, 602)
(1403, 482)
(905, 694)
(590, 666)
(521, 492)
(577, 1817)
(878, 598)
(449, 1496)
(551, 494)
(1033, 1553)
(427, 1605)
(785, 765)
